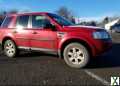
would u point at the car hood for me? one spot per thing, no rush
(76, 27)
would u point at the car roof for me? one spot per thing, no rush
(27, 13)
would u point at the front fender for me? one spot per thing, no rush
(87, 40)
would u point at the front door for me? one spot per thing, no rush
(43, 38)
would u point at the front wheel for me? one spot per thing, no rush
(10, 49)
(76, 55)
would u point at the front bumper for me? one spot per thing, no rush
(102, 46)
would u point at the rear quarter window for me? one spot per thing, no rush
(6, 22)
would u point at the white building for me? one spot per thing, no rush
(87, 19)
(112, 23)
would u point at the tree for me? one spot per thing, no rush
(66, 13)
(106, 20)
(92, 23)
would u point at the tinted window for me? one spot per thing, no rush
(22, 21)
(39, 21)
(6, 22)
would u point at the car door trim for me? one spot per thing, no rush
(38, 39)
(40, 49)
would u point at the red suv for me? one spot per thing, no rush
(52, 33)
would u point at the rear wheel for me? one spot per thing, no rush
(10, 49)
(76, 55)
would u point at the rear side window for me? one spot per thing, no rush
(22, 21)
(6, 22)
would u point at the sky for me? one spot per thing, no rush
(81, 8)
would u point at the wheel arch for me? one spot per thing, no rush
(65, 43)
(6, 38)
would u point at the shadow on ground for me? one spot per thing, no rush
(108, 60)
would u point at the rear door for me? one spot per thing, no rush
(21, 32)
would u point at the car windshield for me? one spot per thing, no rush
(62, 21)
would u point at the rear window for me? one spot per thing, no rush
(6, 22)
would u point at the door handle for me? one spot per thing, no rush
(34, 33)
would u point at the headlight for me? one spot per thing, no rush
(101, 35)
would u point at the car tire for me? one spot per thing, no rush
(10, 49)
(76, 55)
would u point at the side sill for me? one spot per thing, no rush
(51, 51)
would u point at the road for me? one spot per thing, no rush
(43, 69)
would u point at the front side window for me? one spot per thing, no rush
(39, 21)
(22, 21)
(6, 22)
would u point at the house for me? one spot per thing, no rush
(112, 23)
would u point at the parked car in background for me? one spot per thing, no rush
(115, 33)
(115, 28)
(51, 33)
(110, 24)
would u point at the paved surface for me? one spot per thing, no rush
(42, 69)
